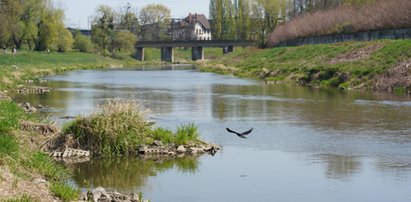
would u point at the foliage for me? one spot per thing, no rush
(186, 133)
(115, 128)
(64, 191)
(183, 135)
(102, 31)
(154, 19)
(83, 43)
(125, 41)
(35, 22)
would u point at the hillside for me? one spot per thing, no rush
(383, 65)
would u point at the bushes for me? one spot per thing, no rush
(183, 135)
(83, 43)
(113, 129)
(346, 19)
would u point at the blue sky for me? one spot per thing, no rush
(78, 11)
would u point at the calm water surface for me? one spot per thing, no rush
(307, 144)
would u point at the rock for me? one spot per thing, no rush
(115, 196)
(143, 149)
(100, 194)
(134, 197)
(157, 143)
(40, 181)
(27, 107)
(83, 196)
(181, 149)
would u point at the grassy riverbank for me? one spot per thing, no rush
(343, 65)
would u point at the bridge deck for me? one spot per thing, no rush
(199, 43)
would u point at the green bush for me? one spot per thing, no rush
(115, 128)
(186, 133)
(83, 43)
(164, 135)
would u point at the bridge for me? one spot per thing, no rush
(197, 47)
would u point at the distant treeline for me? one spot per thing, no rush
(38, 25)
(345, 18)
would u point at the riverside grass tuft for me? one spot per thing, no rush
(117, 127)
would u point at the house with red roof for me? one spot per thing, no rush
(193, 27)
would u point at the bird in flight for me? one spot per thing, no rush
(242, 135)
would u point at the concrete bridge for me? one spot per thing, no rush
(197, 47)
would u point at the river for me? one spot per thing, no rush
(308, 144)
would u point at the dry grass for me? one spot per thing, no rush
(397, 78)
(376, 15)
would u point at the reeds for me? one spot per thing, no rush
(375, 15)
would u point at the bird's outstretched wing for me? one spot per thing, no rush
(231, 131)
(247, 132)
(242, 135)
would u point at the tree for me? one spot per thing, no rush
(124, 41)
(154, 19)
(129, 19)
(102, 31)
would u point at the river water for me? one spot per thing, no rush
(307, 144)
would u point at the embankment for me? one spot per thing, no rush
(347, 65)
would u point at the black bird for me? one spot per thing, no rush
(242, 135)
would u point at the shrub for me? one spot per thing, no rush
(183, 134)
(186, 133)
(115, 128)
(83, 43)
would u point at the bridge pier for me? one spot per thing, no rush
(167, 54)
(140, 53)
(228, 49)
(197, 53)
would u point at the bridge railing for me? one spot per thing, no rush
(195, 43)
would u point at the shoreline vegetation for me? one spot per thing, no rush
(382, 65)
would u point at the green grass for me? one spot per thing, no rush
(183, 135)
(10, 115)
(32, 65)
(64, 191)
(310, 64)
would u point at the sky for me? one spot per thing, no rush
(79, 11)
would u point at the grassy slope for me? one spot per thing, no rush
(311, 64)
(30, 64)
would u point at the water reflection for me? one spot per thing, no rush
(127, 175)
(338, 166)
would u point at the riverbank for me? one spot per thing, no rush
(381, 65)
